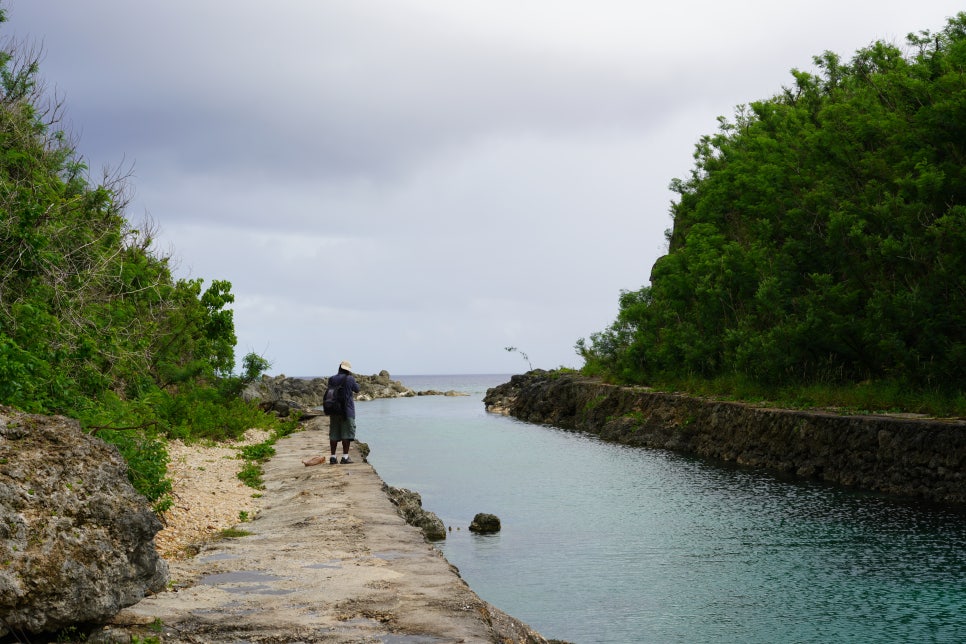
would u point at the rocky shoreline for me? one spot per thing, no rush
(285, 394)
(917, 458)
(321, 554)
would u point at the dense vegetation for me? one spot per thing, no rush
(820, 237)
(92, 322)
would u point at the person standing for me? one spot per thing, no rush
(342, 427)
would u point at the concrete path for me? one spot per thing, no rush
(328, 560)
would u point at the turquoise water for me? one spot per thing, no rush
(605, 543)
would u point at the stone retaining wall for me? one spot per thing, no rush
(911, 457)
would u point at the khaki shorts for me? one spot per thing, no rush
(342, 428)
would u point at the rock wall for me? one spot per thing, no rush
(283, 394)
(302, 393)
(911, 457)
(76, 539)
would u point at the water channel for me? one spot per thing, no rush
(605, 543)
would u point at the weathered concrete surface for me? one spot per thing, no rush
(329, 560)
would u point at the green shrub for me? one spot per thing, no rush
(234, 533)
(251, 475)
(147, 460)
(258, 452)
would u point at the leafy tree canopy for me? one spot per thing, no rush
(821, 235)
(92, 322)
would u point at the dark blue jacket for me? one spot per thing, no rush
(350, 387)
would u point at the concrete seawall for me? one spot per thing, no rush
(326, 559)
(911, 457)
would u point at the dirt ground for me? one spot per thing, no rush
(324, 558)
(208, 495)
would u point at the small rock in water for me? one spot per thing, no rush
(484, 523)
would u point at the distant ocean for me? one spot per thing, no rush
(467, 383)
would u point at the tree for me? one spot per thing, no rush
(522, 355)
(86, 304)
(820, 235)
(92, 322)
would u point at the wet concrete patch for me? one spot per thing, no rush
(389, 555)
(250, 582)
(244, 612)
(238, 577)
(258, 590)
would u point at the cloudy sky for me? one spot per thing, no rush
(415, 185)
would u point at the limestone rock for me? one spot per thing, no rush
(282, 392)
(76, 539)
(436, 392)
(410, 507)
(484, 523)
(903, 455)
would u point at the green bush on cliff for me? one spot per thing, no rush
(92, 322)
(820, 237)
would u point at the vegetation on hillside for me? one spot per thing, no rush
(820, 238)
(92, 322)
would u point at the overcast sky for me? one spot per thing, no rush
(414, 185)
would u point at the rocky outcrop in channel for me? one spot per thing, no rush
(911, 457)
(76, 539)
(303, 393)
(284, 394)
(409, 505)
(485, 523)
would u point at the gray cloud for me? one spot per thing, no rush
(477, 174)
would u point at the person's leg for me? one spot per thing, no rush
(348, 435)
(335, 433)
